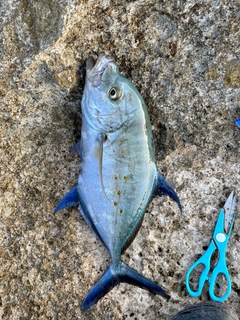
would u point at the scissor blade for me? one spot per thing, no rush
(229, 208)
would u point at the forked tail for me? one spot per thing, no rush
(123, 274)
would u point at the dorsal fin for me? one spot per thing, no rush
(164, 188)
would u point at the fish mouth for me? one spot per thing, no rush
(96, 68)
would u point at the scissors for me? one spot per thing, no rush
(219, 242)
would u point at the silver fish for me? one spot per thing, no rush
(118, 175)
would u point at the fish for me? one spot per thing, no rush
(118, 173)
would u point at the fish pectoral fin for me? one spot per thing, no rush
(113, 276)
(102, 138)
(71, 199)
(164, 188)
(76, 148)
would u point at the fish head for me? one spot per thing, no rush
(109, 99)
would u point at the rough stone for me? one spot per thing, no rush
(184, 59)
(232, 77)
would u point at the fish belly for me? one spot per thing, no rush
(116, 204)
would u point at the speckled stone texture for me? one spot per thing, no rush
(183, 56)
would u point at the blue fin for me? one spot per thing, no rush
(164, 188)
(76, 148)
(112, 277)
(71, 199)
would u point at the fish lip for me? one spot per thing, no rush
(89, 63)
(95, 69)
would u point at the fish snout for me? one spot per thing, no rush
(89, 64)
(95, 69)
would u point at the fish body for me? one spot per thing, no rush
(118, 175)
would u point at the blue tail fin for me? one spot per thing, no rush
(102, 287)
(123, 274)
(164, 188)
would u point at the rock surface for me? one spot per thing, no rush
(184, 59)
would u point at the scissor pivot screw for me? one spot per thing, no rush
(220, 237)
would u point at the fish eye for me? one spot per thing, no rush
(114, 93)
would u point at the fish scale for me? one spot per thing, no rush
(118, 175)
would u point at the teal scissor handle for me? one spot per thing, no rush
(220, 241)
(204, 260)
(221, 268)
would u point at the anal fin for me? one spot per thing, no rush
(71, 199)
